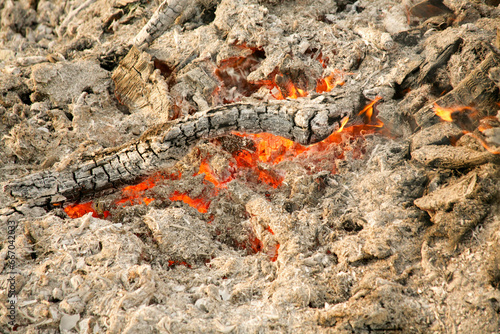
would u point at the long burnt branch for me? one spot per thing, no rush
(304, 121)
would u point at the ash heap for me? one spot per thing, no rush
(250, 166)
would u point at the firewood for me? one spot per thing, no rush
(305, 121)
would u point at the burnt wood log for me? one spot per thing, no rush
(420, 72)
(304, 121)
(475, 89)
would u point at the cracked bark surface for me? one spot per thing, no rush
(305, 121)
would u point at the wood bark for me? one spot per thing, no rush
(304, 121)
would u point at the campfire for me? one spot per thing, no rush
(251, 166)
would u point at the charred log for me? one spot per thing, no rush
(476, 89)
(303, 121)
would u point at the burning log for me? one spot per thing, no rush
(477, 88)
(306, 122)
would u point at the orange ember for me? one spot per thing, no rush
(233, 72)
(199, 204)
(175, 263)
(209, 175)
(269, 150)
(255, 243)
(133, 195)
(79, 210)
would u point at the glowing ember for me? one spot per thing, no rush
(79, 210)
(175, 263)
(233, 73)
(269, 150)
(255, 243)
(133, 195)
(199, 204)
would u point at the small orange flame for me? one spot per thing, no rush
(446, 114)
(472, 115)
(343, 123)
(367, 112)
(336, 78)
(483, 143)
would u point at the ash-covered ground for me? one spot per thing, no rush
(391, 229)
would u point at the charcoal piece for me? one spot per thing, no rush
(133, 86)
(436, 57)
(166, 15)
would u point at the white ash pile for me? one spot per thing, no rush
(250, 166)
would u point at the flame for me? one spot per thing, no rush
(446, 114)
(336, 78)
(343, 123)
(367, 112)
(459, 113)
(483, 143)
